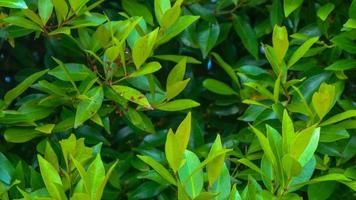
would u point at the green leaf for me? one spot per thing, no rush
(324, 11)
(51, 179)
(143, 48)
(95, 176)
(46, 128)
(218, 87)
(173, 156)
(288, 134)
(89, 105)
(291, 166)
(76, 5)
(101, 188)
(20, 135)
(45, 8)
(323, 99)
(193, 184)
(176, 88)
(350, 23)
(280, 42)
(22, 87)
(305, 144)
(177, 58)
(339, 117)
(177, 72)
(22, 22)
(222, 185)
(300, 52)
(234, 194)
(183, 133)
(135, 8)
(132, 95)
(161, 6)
(215, 166)
(148, 68)
(266, 147)
(344, 64)
(177, 105)
(352, 10)
(208, 36)
(7, 171)
(158, 168)
(92, 19)
(76, 72)
(226, 67)
(61, 8)
(247, 35)
(21, 4)
(182, 23)
(291, 5)
(171, 15)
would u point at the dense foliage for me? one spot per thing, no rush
(177, 99)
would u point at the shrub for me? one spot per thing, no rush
(177, 99)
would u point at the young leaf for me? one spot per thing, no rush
(143, 48)
(61, 8)
(291, 166)
(176, 88)
(215, 167)
(193, 184)
(218, 87)
(183, 133)
(299, 53)
(280, 42)
(132, 94)
(288, 134)
(51, 179)
(324, 11)
(45, 8)
(21, 4)
(173, 156)
(305, 144)
(95, 176)
(158, 168)
(171, 15)
(177, 58)
(89, 105)
(323, 99)
(222, 185)
(339, 117)
(266, 147)
(290, 6)
(180, 104)
(161, 6)
(24, 85)
(182, 23)
(177, 72)
(148, 68)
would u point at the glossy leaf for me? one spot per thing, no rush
(22, 87)
(193, 184)
(132, 94)
(176, 105)
(143, 48)
(158, 168)
(89, 105)
(218, 87)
